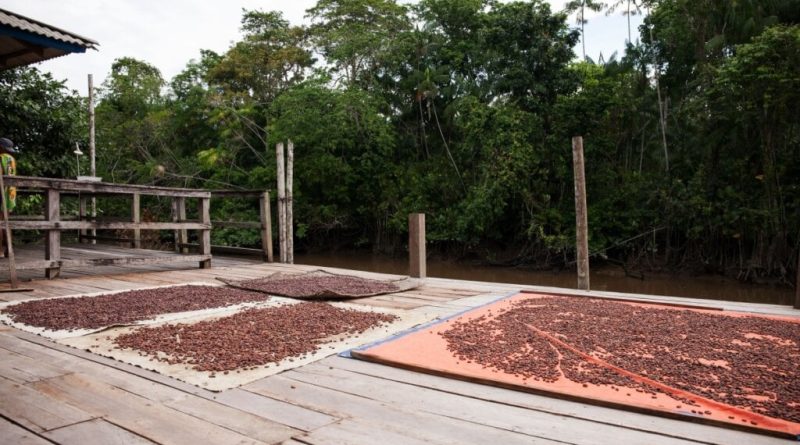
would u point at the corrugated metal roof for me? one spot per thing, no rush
(26, 24)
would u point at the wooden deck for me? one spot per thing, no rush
(55, 394)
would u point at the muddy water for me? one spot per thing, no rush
(610, 279)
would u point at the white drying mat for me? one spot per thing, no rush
(102, 343)
(401, 285)
(64, 333)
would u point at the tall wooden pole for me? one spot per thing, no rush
(797, 285)
(12, 262)
(281, 201)
(92, 153)
(581, 219)
(416, 245)
(290, 203)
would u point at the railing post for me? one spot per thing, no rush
(581, 218)
(175, 233)
(416, 245)
(136, 218)
(53, 240)
(82, 217)
(266, 226)
(182, 234)
(205, 234)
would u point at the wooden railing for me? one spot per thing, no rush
(53, 224)
(264, 224)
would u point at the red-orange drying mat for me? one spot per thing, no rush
(725, 368)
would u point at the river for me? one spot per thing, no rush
(605, 278)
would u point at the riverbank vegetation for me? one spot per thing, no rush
(464, 110)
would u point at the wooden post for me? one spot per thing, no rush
(136, 217)
(797, 285)
(581, 219)
(183, 234)
(416, 245)
(266, 226)
(281, 201)
(93, 166)
(53, 240)
(290, 204)
(92, 153)
(82, 217)
(12, 262)
(204, 210)
(175, 233)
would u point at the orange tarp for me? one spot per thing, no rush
(430, 349)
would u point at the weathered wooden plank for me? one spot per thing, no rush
(233, 411)
(95, 431)
(630, 420)
(242, 422)
(227, 249)
(414, 423)
(236, 193)
(126, 261)
(511, 418)
(67, 286)
(416, 302)
(373, 301)
(57, 226)
(237, 224)
(294, 416)
(136, 414)
(360, 432)
(70, 185)
(22, 369)
(35, 410)
(147, 384)
(13, 434)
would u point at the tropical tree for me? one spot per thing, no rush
(579, 7)
(44, 118)
(356, 36)
(632, 7)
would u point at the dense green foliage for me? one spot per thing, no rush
(464, 110)
(43, 119)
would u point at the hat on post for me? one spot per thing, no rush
(7, 145)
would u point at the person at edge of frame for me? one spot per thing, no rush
(9, 168)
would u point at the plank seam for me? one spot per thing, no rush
(15, 423)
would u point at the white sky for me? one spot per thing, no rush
(168, 33)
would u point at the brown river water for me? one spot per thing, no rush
(605, 278)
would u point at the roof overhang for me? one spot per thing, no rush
(24, 41)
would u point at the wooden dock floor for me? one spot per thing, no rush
(55, 394)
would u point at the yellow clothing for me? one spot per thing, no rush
(9, 168)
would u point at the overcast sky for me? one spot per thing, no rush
(168, 33)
